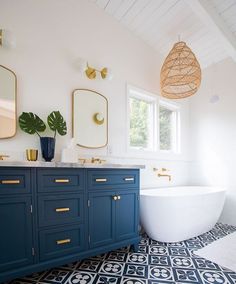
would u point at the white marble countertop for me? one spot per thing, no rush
(40, 164)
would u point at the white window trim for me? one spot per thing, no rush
(148, 97)
(157, 100)
(176, 149)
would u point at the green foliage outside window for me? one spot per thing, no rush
(139, 117)
(165, 128)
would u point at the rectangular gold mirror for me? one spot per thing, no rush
(7, 102)
(90, 119)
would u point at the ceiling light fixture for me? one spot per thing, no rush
(180, 73)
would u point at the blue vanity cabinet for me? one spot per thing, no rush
(53, 216)
(113, 206)
(126, 221)
(16, 236)
(61, 200)
(101, 218)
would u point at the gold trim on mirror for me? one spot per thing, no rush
(105, 118)
(0, 37)
(15, 98)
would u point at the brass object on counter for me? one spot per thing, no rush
(32, 154)
(3, 156)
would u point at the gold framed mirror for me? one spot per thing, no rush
(8, 89)
(89, 118)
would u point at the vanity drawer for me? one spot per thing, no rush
(110, 179)
(61, 242)
(60, 180)
(60, 209)
(14, 181)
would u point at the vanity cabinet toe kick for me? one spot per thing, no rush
(55, 216)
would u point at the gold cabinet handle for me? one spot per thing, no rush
(66, 209)
(100, 179)
(129, 179)
(114, 197)
(62, 242)
(62, 180)
(118, 197)
(14, 181)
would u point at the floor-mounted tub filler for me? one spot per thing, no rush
(175, 214)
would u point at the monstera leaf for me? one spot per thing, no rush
(57, 123)
(31, 123)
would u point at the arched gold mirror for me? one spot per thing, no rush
(90, 119)
(7, 102)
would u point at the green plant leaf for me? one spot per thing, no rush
(57, 123)
(31, 123)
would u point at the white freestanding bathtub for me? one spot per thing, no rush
(175, 214)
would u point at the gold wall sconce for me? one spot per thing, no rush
(7, 39)
(98, 118)
(91, 72)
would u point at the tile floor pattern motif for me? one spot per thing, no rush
(155, 263)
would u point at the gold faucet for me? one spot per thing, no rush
(162, 173)
(92, 160)
(97, 160)
(3, 156)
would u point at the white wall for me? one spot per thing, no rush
(213, 133)
(51, 36)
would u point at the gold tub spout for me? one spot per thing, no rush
(162, 173)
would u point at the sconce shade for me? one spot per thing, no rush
(90, 72)
(180, 73)
(98, 118)
(106, 73)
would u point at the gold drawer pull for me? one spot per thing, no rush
(14, 181)
(62, 242)
(100, 179)
(63, 209)
(62, 180)
(129, 179)
(114, 197)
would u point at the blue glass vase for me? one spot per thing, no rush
(48, 148)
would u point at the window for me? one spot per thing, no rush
(168, 128)
(141, 109)
(147, 130)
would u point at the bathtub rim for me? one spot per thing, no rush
(165, 193)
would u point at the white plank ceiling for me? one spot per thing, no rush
(161, 22)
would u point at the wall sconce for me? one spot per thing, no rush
(91, 72)
(98, 118)
(7, 40)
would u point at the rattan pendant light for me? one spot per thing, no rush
(180, 73)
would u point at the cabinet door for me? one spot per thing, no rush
(127, 214)
(101, 218)
(16, 233)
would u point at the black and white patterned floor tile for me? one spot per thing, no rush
(155, 263)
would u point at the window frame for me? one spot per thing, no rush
(150, 98)
(157, 101)
(175, 147)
